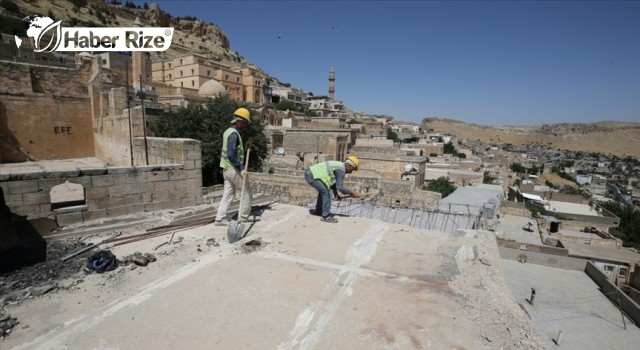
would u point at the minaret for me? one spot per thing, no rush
(138, 63)
(332, 80)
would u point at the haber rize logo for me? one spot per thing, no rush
(51, 36)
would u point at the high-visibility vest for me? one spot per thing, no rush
(224, 160)
(325, 171)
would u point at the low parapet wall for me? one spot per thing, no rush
(611, 291)
(109, 190)
(293, 189)
(532, 257)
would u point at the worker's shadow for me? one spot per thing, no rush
(21, 244)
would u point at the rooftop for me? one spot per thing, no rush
(293, 282)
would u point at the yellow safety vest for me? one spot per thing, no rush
(325, 171)
(224, 160)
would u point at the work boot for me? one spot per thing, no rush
(314, 212)
(331, 219)
(251, 218)
(223, 222)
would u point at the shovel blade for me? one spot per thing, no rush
(235, 231)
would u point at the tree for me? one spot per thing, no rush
(449, 148)
(207, 124)
(286, 105)
(392, 135)
(488, 179)
(518, 168)
(629, 222)
(441, 185)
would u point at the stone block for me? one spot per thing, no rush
(99, 193)
(188, 201)
(17, 187)
(171, 204)
(36, 198)
(45, 185)
(120, 170)
(154, 206)
(93, 171)
(102, 180)
(189, 164)
(163, 187)
(177, 175)
(158, 176)
(27, 175)
(94, 214)
(62, 174)
(128, 179)
(129, 189)
(13, 200)
(113, 202)
(68, 218)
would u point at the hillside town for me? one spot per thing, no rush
(515, 245)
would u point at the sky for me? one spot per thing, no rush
(481, 62)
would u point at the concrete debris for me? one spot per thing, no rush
(22, 294)
(138, 259)
(6, 324)
(253, 245)
(213, 242)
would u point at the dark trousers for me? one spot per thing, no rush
(323, 203)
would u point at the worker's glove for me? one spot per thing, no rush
(250, 144)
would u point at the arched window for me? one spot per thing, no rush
(67, 195)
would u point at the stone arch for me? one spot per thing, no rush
(66, 195)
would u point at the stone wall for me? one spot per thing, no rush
(44, 112)
(292, 189)
(112, 190)
(596, 241)
(314, 141)
(374, 142)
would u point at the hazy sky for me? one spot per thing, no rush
(484, 62)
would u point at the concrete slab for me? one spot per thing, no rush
(569, 301)
(512, 227)
(358, 284)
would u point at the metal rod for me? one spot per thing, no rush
(144, 123)
(126, 66)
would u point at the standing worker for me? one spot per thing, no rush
(234, 173)
(330, 175)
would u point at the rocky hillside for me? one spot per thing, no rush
(607, 137)
(191, 34)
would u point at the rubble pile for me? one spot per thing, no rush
(40, 278)
(6, 324)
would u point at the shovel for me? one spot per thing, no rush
(236, 228)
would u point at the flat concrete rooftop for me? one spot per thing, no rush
(572, 208)
(293, 282)
(569, 301)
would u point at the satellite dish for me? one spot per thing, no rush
(408, 168)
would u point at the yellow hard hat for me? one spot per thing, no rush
(355, 161)
(243, 113)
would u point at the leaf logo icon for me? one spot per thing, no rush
(55, 31)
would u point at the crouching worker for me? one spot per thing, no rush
(330, 175)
